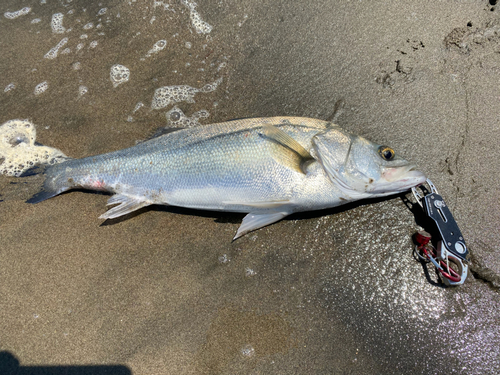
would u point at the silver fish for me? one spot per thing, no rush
(266, 167)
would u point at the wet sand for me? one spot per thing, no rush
(164, 290)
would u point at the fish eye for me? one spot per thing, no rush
(386, 153)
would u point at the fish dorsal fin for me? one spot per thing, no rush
(161, 132)
(291, 152)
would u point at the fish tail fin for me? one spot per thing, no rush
(42, 195)
(55, 182)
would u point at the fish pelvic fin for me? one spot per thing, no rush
(290, 152)
(255, 221)
(126, 205)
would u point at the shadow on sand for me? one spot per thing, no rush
(9, 365)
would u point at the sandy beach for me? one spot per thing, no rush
(164, 290)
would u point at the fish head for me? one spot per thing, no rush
(361, 168)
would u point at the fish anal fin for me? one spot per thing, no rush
(255, 221)
(126, 205)
(290, 152)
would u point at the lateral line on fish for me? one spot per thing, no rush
(270, 204)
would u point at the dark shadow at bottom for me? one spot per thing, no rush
(9, 365)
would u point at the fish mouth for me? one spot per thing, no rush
(398, 179)
(404, 178)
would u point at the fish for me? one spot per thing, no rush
(268, 168)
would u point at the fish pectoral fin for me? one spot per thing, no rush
(290, 153)
(126, 205)
(285, 140)
(255, 221)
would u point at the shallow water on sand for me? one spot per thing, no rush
(164, 290)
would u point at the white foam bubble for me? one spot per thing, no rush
(157, 47)
(56, 23)
(222, 65)
(167, 95)
(9, 87)
(77, 65)
(173, 94)
(177, 119)
(84, 36)
(17, 13)
(102, 11)
(209, 87)
(245, 17)
(79, 46)
(138, 106)
(66, 51)
(161, 3)
(36, 20)
(119, 74)
(223, 259)
(88, 26)
(250, 272)
(199, 25)
(188, 45)
(52, 54)
(247, 351)
(18, 149)
(41, 88)
(82, 90)
(93, 44)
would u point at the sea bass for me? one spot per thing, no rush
(266, 167)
